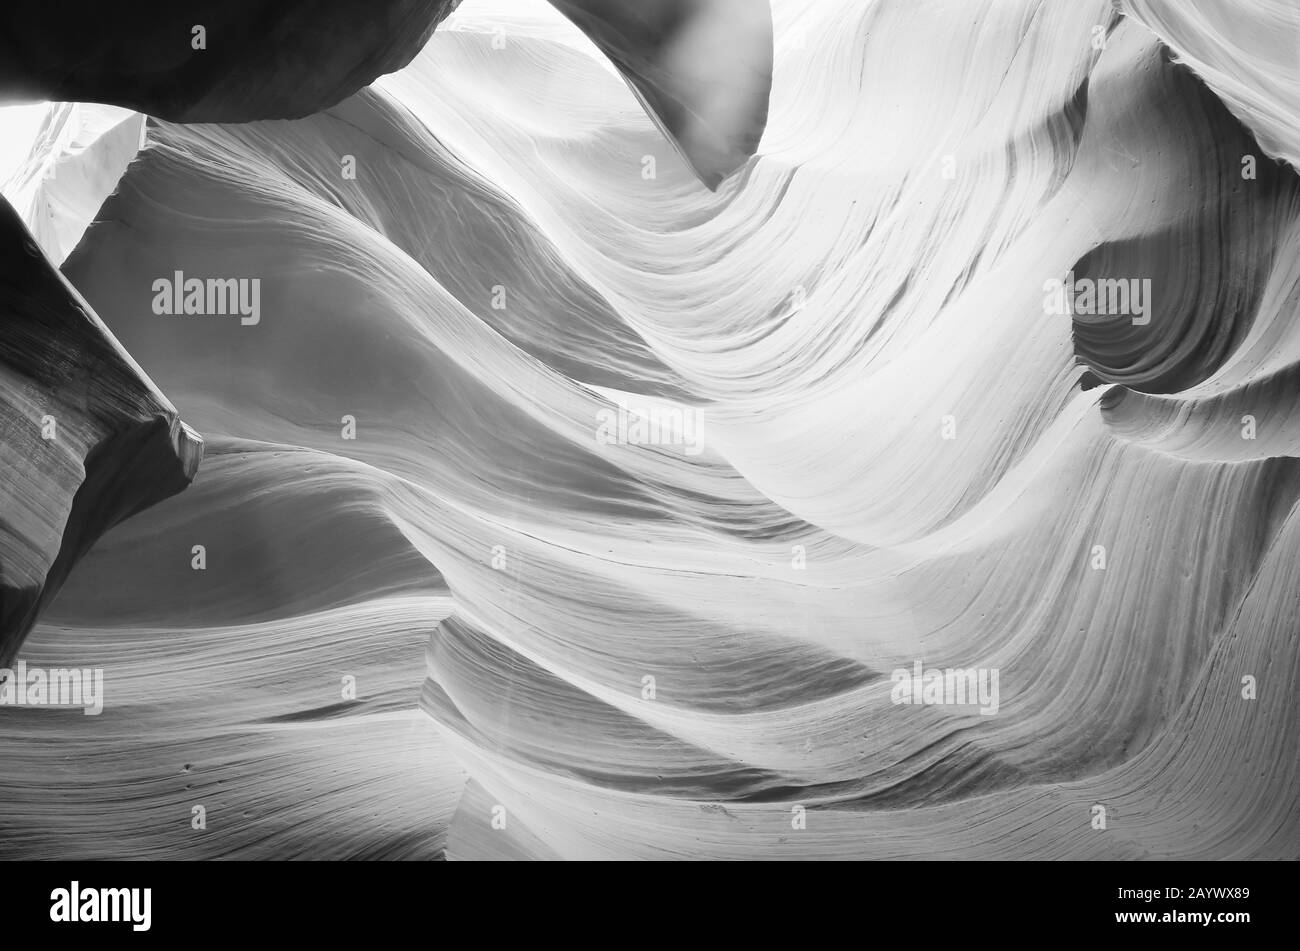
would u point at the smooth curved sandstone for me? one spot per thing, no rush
(251, 723)
(701, 68)
(570, 643)
(1247, 51)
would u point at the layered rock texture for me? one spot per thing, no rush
(557, 506)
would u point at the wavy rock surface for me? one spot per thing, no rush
(648, 651)
(702, 68)
(1246, 51)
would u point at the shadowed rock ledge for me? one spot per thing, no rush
(702, 69)
(257, 60)
(86, 440)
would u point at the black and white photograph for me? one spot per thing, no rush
(650, 430)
